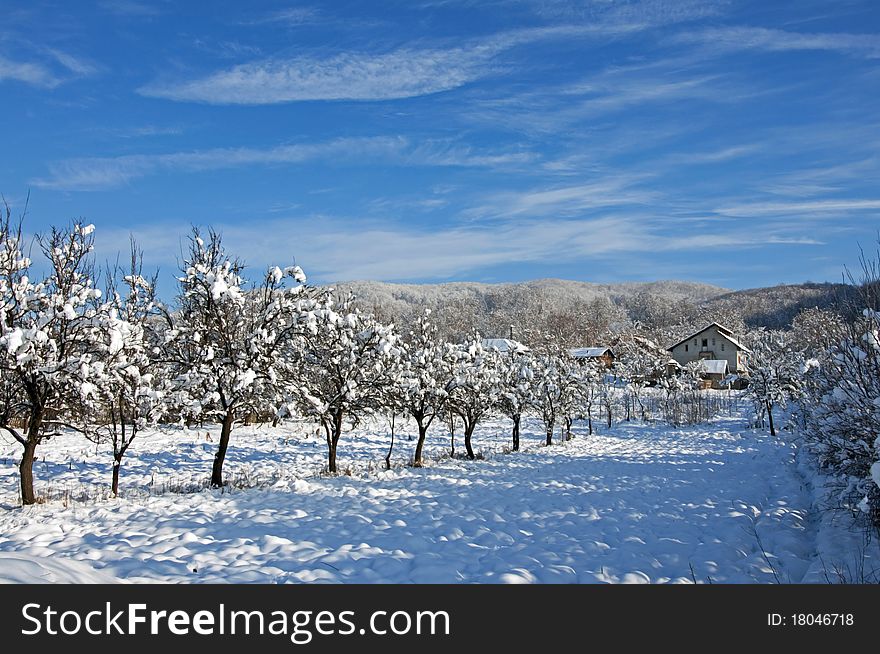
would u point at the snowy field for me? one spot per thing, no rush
(637, 503)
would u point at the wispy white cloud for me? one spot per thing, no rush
(405, 72)
(759, 209)
(612, 96)
(100, 173)
(35, 74)
(286, 16)
(78, 66)
(97, 173)
(724, 39)
(399, 74)
(333, 249)
(49, 68)
(714, 156)
(562, 201)
(131, 8)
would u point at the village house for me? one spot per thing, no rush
(712, 343)
(603, 354)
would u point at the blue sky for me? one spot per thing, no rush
(731, 142)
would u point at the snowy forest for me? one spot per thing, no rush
(90, 351)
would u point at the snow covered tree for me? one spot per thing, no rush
(681, 395)
(515, 392)
(588, 377)
(124, 395)
(553, 387)
(640, 361)
(49, 330)
(390, 401)
(774, 371)
(475, 386)
(426, 379)
(814, 331)
(222, 345)
(343, 363)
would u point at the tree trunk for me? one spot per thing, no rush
(334, 442)
(568, 422)
(590, 420)
(114, 487)
(220, 457)
(550, 434)
(770, 418)
(423, 433)
(26, 467)
(516, 420)
(26, 473)
(468, 432)
(608, 416)
(391, 447)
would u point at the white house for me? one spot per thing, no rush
(716, 343)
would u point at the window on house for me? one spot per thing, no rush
(685, 347)
(705, 342)
(713, 342)
(722, 347)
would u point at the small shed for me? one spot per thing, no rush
(714, 371)
(600, 353)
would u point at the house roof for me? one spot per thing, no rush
(713, 366)
(590, 352)
(721, 328)
(504, 345)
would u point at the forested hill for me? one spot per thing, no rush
(774, 307)
(589, 308)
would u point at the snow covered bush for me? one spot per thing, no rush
(842, 415)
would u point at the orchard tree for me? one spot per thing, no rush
(475, 386)
(774, 373)
(124, 394)
(344, 363)
(50, 328)
(515, 392)
(552, 387)
(640, 361)
(426, 380)
(223, 346)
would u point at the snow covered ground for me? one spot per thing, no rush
(637, 503)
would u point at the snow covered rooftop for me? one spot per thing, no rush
(590, 352)
(714, 366)
(504, 345)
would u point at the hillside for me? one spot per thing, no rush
(580, 311)
(774, 307)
